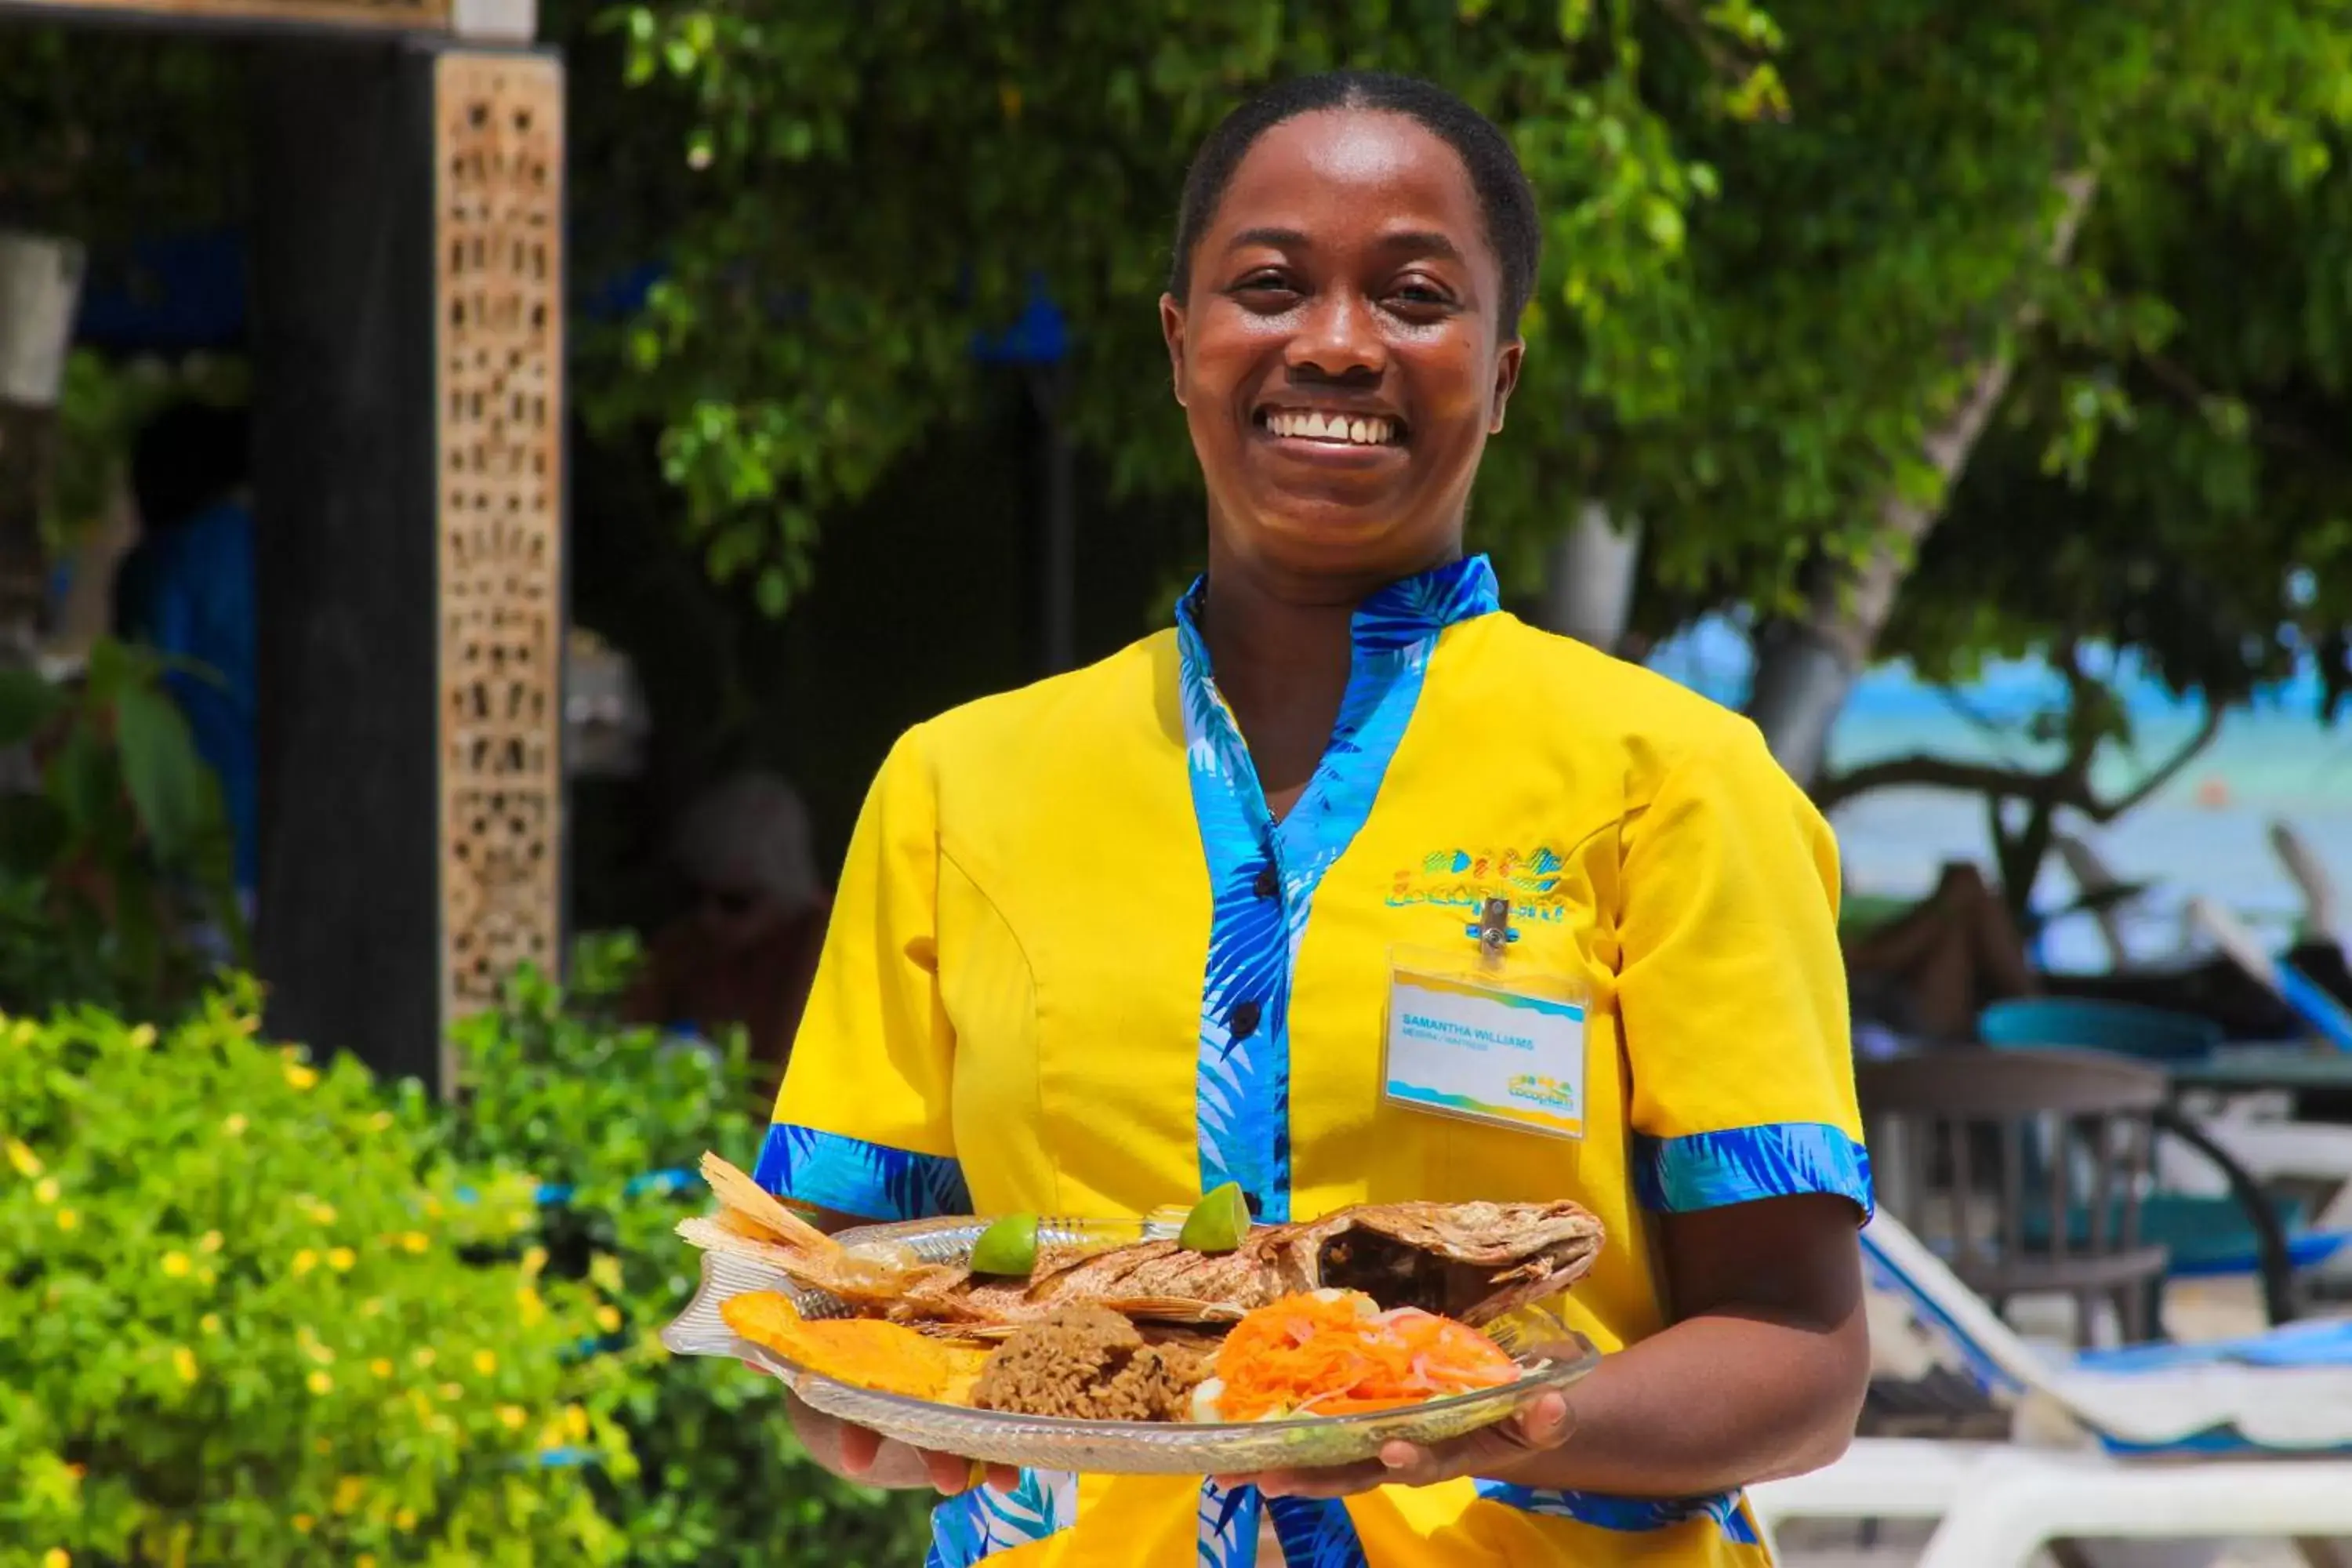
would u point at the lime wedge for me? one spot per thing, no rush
(1008, 1247)
(1220, 1222)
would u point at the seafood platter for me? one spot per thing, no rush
(1191, 1342)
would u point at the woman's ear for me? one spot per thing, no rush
(1171, 327)
(1506, 380)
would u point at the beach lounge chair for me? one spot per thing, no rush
(2245, 1438)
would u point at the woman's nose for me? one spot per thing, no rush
(1338, 340)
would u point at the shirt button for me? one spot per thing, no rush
(1242, 1022)
(1267, 883)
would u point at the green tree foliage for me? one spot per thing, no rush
(1793, 259)
(869, 188)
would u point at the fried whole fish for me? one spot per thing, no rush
(1472, 1262)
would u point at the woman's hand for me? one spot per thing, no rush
(857, 1453)
(1492, 1452)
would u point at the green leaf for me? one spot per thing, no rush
(169, 785)
(27, 702)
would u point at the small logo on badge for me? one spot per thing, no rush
(1538, 1089)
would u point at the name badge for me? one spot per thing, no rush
(1481, 1037)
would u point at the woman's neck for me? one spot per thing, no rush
(1282, 653)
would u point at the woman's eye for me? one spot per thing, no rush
(1261, 284)
(1423, 296)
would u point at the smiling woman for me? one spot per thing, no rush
(1110, 941)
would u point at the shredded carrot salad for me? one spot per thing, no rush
(1334, 1353)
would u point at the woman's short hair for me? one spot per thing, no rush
(1506, 200)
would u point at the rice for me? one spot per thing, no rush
(1091, 1363)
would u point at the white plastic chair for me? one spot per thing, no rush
(2255, 1436)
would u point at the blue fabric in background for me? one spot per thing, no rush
(188, 592)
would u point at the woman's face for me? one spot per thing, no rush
(1338, 356)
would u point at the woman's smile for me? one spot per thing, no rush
(1320, 434)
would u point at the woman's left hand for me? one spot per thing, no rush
(1493, 1451)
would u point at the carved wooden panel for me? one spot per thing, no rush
(499, 145)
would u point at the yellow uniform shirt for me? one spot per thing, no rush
(1077, 968)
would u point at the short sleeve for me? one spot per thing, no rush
(1731, 989)
(862, 1122)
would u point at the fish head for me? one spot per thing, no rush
(1472, 1262)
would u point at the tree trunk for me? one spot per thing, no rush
(1589, 578)
(1806, 667)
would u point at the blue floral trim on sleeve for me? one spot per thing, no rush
(1628, 1513)
(851, 1176)
(1780, 1159)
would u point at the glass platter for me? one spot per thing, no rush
(1553, 1355)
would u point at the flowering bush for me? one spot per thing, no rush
(254, 1312)
(595, 1108)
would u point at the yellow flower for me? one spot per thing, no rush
(608, 1317)
(234, 1124)
(305, 1261)
(139, 1039)
(45, 1189)
(209, 1322)
(529, 1307)
(453, 1392)
(302, 1523)
(533, 1260)
(604, 1272)
(184, 1362)
(301, 1077)
(348, 1493)
(414, 1241)
(486, 1362)
(321, 1353)
(319, 1383)
(56, 1557)
(364, 1560)
(511, 1417)
(27, 1164)
(67, 1219)
(210, 1244)
(575, 1423)
(404, 1520)
(322, 1214)
(372, 1308)
(424, 1355)
(175, 1264)
(380, 1122)
(340, 1259)
(381, 1367)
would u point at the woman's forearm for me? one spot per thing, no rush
(1716, 1402)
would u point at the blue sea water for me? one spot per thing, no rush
(2204, 834)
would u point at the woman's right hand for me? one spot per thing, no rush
(857, 1453)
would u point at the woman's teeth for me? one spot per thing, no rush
(1371, 430)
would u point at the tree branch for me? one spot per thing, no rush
(1719, 60)
(1923, 770)
(2066, 784)
(2171, 770)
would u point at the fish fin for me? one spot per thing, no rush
(744, 1196)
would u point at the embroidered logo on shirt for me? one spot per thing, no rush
(1467, 879)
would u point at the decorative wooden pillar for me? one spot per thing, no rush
(409, 480)
(499, 208)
